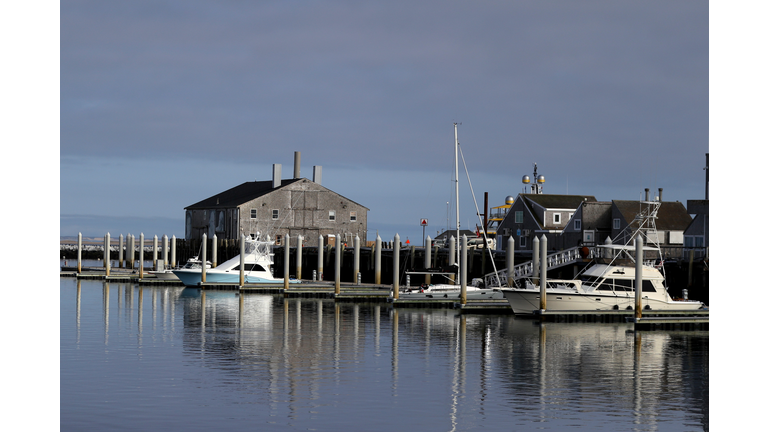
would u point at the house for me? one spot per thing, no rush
(589, 226)
(296, 206)
(534, 214)
(696, 236)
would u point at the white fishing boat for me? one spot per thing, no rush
(258, 261)
(608, 281)
(167, 274)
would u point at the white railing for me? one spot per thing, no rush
(555, 260)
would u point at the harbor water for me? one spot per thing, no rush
(168, 358)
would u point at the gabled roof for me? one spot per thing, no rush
(557, 201)
(240, 194)
(452, 232)
(672, 215)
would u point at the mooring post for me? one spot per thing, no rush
(205, 258)
(141, 256)
(396, 267)
(427, 259)
(286, 260)
(107, 264)
(79, 253)
(132, 247)
(535, 259)
(357, 259)
(320, 250)
(154, 253)
(173, 251)
(638, 277)
(165, 251)
(337, 265)
(214, 251)
(452, 257)
(120, 253)
(511, 261)
(463, 269)
(299, 253)
(242, 260)
(690, 268)
(543, 277)
(377, 262)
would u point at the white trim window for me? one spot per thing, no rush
(353, 216)
(275, 214)
(518, 217)
(617, 223)
(332, 215)
(253, 214)
(523, 241)
(577, 224)
(556, 219)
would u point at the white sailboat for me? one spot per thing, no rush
(475, 290)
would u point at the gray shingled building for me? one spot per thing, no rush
(296, 206)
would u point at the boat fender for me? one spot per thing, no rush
(647, 307)
(629, 307)
(615, 307)
(445, 295)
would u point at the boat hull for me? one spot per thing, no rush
(478, 294)
(525, 302)
(193, 278)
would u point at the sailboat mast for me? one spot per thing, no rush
(456, 160)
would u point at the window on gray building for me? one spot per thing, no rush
(275, 214)
(556, 218)
(353, 216)
(577, 224)
(253, 213)
(331, 215)
(518, 217)
(523, 241)
(617, 224)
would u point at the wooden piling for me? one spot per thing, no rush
(165, 251)
(463, 269)
(377, 262)
(320, 250)
(543, 277)
(299, 250)
(511, 262)
(396, 268)
(214, 251)
(242, 260)
(79, 253)
(107, 263)
(173, 251)
(427, 259)
(286, 260)
(638, 277)
(141, 258)
(337, 266)
(120, 253)
(356, 266)
(204, 258)
(154, 253)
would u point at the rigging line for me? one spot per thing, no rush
(477, 211)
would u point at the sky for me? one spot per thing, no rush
(165, 103)
(138, 109)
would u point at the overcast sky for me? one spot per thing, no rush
(165, 103)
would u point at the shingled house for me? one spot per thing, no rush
(535, 214)
(296, 206)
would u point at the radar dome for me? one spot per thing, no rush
(509, 199)
(526, 179)
(540, 179)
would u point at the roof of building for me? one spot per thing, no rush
(452, 232)
(240, 194)
(558, 201)
(672, 215)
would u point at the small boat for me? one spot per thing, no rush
(475, 291)
(192, 263)
(258, 261)
(608, 281)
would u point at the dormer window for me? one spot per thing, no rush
(556, 218)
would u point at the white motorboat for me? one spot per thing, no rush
(606, 283)
(475, 291)
(192, 263)
(258, 261)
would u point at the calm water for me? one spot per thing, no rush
(168, 358)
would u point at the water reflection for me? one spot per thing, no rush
(302, 363)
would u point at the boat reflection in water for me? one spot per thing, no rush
(277, 363)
